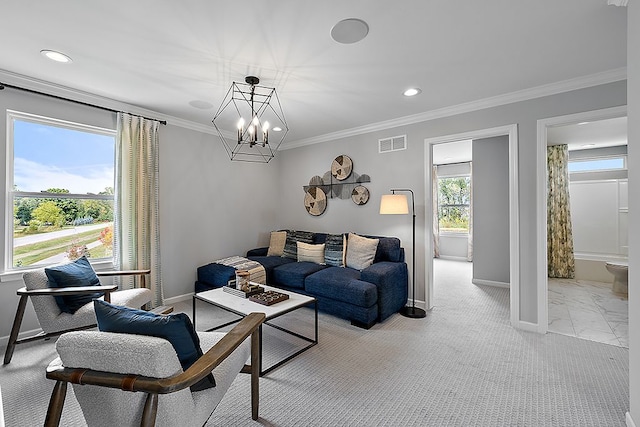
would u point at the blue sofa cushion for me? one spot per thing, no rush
(388, 249)
(292, 275)
(175, 328)
(269, 263)
(215, 274)
(74, 274)
(342, 284)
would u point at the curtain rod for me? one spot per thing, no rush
(3, 85)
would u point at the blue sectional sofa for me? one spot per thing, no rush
(363, 297)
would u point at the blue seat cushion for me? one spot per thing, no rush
(292, 275)
(215, 274)
(175, 328)
(271, 262)
(74, 274)
(342, 284)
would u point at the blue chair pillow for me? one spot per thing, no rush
(74, 274)
(175, 328)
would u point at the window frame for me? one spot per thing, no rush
(468, 205)
(10, 194)
(623, 157)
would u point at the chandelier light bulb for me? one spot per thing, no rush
(240, 123)
(256, 121)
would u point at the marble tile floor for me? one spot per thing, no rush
(588, 310)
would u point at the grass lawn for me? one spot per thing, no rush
(31, 254)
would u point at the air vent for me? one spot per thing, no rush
(395, 143)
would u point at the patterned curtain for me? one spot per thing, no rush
(470, 238)
(137, 237)
(560, 259)
(436, 222)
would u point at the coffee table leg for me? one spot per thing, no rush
(194, 312)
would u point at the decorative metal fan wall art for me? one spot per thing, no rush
(340, 182)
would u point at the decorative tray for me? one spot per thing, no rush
(231, 288)
(268, 297)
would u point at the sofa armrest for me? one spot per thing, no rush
(258, 252)
(392, 281)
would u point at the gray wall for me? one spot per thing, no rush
(210, 207)
(491, 209)
(407, 169)
(232, 206)
(633, 71)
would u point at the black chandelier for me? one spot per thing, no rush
(256, 114)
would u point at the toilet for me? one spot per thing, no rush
(620, 271)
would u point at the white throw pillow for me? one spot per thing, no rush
(311, 253)
(276, 244)
(361, 251)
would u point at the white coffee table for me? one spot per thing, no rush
(242, 307)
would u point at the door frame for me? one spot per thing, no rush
(514, 212)
(541, 196)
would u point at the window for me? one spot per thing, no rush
(599, 164)
(453, 204)
(60, 187)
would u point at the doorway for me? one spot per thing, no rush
(544, 127)
(514, 247)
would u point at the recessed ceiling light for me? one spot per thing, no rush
(55, 56)
(277, 129)
(412, 91)
(582, 123)
(350, 30)
(587, 145)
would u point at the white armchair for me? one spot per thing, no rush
(53, 321)
(126, 380)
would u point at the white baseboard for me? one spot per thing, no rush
(630, 422)
(527, 326)
(453, 258)
(179, 298)
(490, 283)
(4, 340)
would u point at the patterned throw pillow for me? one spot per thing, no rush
(276, 244)
(361, 251)
(291, 247)
(311, 253)
(334, 250)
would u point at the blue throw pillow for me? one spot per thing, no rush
(175, 328)
(74, 274)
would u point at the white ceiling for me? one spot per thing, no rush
(595, 134)
(164, 55)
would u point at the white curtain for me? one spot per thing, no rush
(470, 238)
(436, 222)
(137, 236)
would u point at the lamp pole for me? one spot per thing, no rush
(413, 311)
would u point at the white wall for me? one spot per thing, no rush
(210, 207)
(406, 169)
(633, 71)
(599, 218)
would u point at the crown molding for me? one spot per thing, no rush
(100, 101)
(617, 2)
(495, 101)
(481, 104)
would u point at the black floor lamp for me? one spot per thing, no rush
(397, 204)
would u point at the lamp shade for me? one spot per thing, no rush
(394, 204)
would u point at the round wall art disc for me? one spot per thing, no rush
(360, 195)
(341, 167)
(315, 201)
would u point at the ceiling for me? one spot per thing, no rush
(167, 56)
(594, 134)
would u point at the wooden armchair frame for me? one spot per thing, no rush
(24, 294)
(250, 325)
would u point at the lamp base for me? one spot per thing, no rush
(413, 312)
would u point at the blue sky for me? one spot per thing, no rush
(52, 157)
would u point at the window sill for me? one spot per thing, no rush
(16, 275)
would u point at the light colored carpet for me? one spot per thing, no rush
(463, 365)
